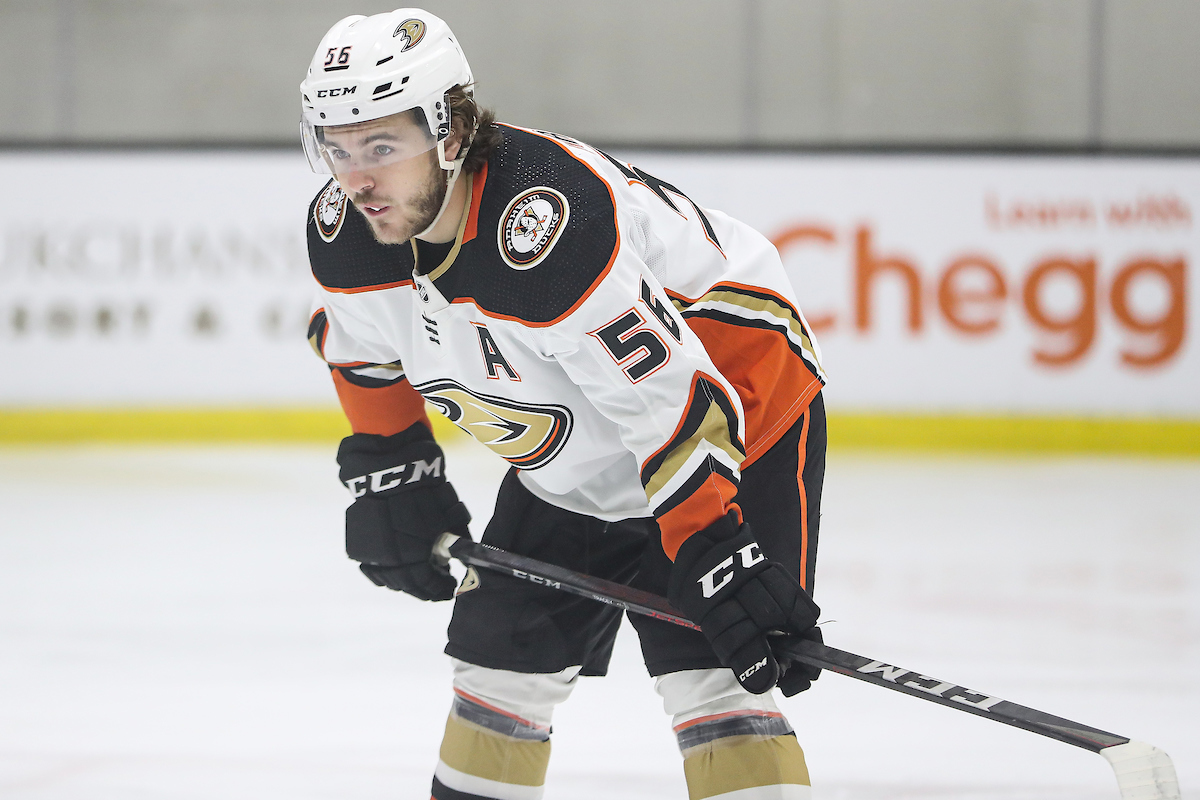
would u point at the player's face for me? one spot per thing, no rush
(390, 174)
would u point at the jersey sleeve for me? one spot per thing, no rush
(369, 378)
(644, 369)
(367, 374)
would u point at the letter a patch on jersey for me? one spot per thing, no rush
(493, 360)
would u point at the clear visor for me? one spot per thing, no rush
(341, 149)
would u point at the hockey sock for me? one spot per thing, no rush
(735, 745)
(489, 753)
(497, 742)
(747, 767)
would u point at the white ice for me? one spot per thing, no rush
(181, 623)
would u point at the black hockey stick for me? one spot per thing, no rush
(1143, 772)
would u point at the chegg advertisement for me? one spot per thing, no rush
(955, 284)
(1001, 284)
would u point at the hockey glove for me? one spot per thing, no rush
(797, 676)
(402, 505)
(723, 582)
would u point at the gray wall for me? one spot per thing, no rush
(729, 72)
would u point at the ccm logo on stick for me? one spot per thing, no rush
(708, 581)
(538, 579)
(915, 680)
(392, 477)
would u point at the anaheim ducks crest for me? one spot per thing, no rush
(531, 225)
(413, 31)
(330, 211)
(527, 435)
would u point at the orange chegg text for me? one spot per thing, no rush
(971, 292)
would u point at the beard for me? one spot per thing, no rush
(403, 223)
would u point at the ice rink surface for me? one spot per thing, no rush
(182, 624)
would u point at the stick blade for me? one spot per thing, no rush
(1143, 772)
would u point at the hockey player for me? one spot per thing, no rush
(639, 361)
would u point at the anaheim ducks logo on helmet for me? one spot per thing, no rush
(531, 225)
(413, 31)
(330, 211)
(524, 434)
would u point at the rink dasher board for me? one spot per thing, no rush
(957, 284)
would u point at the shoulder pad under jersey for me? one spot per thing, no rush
(344, 255)
(546, 231)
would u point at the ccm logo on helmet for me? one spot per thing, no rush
(708, 582)
(338, 92)
(392, 477)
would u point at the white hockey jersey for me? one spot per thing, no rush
(624, 349)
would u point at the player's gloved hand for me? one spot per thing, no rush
(402, 505)
(724, 583)
(798, 676)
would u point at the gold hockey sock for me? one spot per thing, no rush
(490, 754)
(742, 755)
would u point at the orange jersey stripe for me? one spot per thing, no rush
(709, 503)
(472, 228)
(385, 410)
(804, 532)
(375, 288)
(774, 384)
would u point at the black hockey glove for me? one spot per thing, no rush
(723, 582)
(797, 676)
(402, 504)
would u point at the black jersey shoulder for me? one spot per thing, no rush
(536, 171)
(344, 256)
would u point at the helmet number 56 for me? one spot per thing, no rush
(342, 57)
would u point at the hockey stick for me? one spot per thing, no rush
(1143, 772)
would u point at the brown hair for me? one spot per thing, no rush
(465, 114)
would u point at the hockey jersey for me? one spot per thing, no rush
(625, 349)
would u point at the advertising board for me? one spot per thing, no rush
(947, 284)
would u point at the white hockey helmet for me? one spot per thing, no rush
(366, 68)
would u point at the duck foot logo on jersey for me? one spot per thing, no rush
(330, 211)
(527, 435)
(531, 225)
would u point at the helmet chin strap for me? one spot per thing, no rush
(455, 169)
